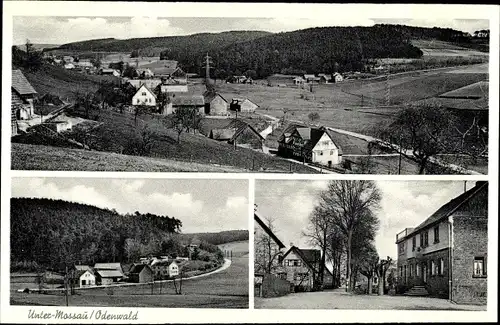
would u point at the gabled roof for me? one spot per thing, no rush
(196, 100)
(79, 273)
(164, 263)
(311, 136)
(242, 128)
(449, 208)
(109, 273)
(309, 256)
(137, 268)
(209, 96)
(20, 84)
(242, 100)
(107, 266)
(268, 231)
(474, 91)
(82, 267)
(145, 87)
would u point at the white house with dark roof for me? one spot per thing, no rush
(144, 97)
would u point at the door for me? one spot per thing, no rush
(84, 282)
(424, 272)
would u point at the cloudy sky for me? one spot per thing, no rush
(404, 204)
(60, 30)
(201, 205)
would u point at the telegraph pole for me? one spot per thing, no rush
(208, 61)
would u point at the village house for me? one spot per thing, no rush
(144, 97)
(109, 72)
(22, 96)
(108, 273)
(446, 255)
(165, 269)
(301, 268)
(86, 278)
(68, 59)
(325, 78)
(69, 66)
(244, 105)
(309, 144)
(140, 273)
(215, 104)
(337, 77)
(189, 102)
(145, 73)
(150, 83)
(299, 81)
(240, 134)
(311, 79)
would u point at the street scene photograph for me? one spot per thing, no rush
(96, 242)
(363, 244)
(357, 95)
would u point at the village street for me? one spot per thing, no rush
(339, 299)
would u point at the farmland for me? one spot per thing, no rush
(225, 289)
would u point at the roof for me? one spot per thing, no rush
(284, 76)
(311, 136)
(165, 263)
(242, 100)
(222, 133)
(288, 131)
(209, 96)
(145, 87)
(20, 84)
(196, 100)
(82, 267)
(268, 230)
(449, 208)
(107, 266)
(109, 273)
(309, 256)
(474, 91)
(242, 127)
(137, 268)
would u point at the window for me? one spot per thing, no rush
(404, 272)
(441, 267)
(326, 142)
(144, 93)
(436, 234)
(292, 263)
(422, 239)
(401, 247)
(413, 243)
(417, 271)
(401, 272)
(433, 268)
(331, 152)
(138, 101)
(411, 270)
(479, 267)
(321, 153)
(426, 239)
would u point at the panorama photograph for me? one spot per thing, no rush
(362, 244)
(129, 243)
(355, 95)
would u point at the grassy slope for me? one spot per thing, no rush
(34, 157)
(63, 83)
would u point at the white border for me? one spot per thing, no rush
(17, 314)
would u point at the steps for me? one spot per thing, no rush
(417, 291)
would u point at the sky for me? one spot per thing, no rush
(404, 204)
(63, 29)
(202, 205)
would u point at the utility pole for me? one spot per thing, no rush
(66, 286)
(400, 154)
(208, 61)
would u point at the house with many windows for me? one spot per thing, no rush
(446, 255)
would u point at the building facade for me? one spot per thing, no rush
(144, 97)
(447, 253)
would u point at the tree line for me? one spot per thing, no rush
(55, 233)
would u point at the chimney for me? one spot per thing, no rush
(291, 244)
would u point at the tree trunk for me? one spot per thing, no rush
(370, 284)
(323, 261)
(422, 165)
(381, 282)
(349, 259)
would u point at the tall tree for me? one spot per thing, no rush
(368, 264)
(350, 203)
(267, 253)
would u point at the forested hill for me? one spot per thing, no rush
(179, 45)
(216, 238)
(55, 233)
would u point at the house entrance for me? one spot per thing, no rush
(329, 163)
(84, 282)
(424, 272)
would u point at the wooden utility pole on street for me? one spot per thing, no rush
(208, 61)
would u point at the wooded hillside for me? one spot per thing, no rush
(55, 233)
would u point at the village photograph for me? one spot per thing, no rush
(98, 242)
(360, 95)
(362, 244)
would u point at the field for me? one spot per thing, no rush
(238, 248)
(64, 83)
(440, 48)
(226, 289)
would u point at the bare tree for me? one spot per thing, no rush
(267, 253)
(350, 204)
(381, 270)
(368, 264)
(319, 228)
